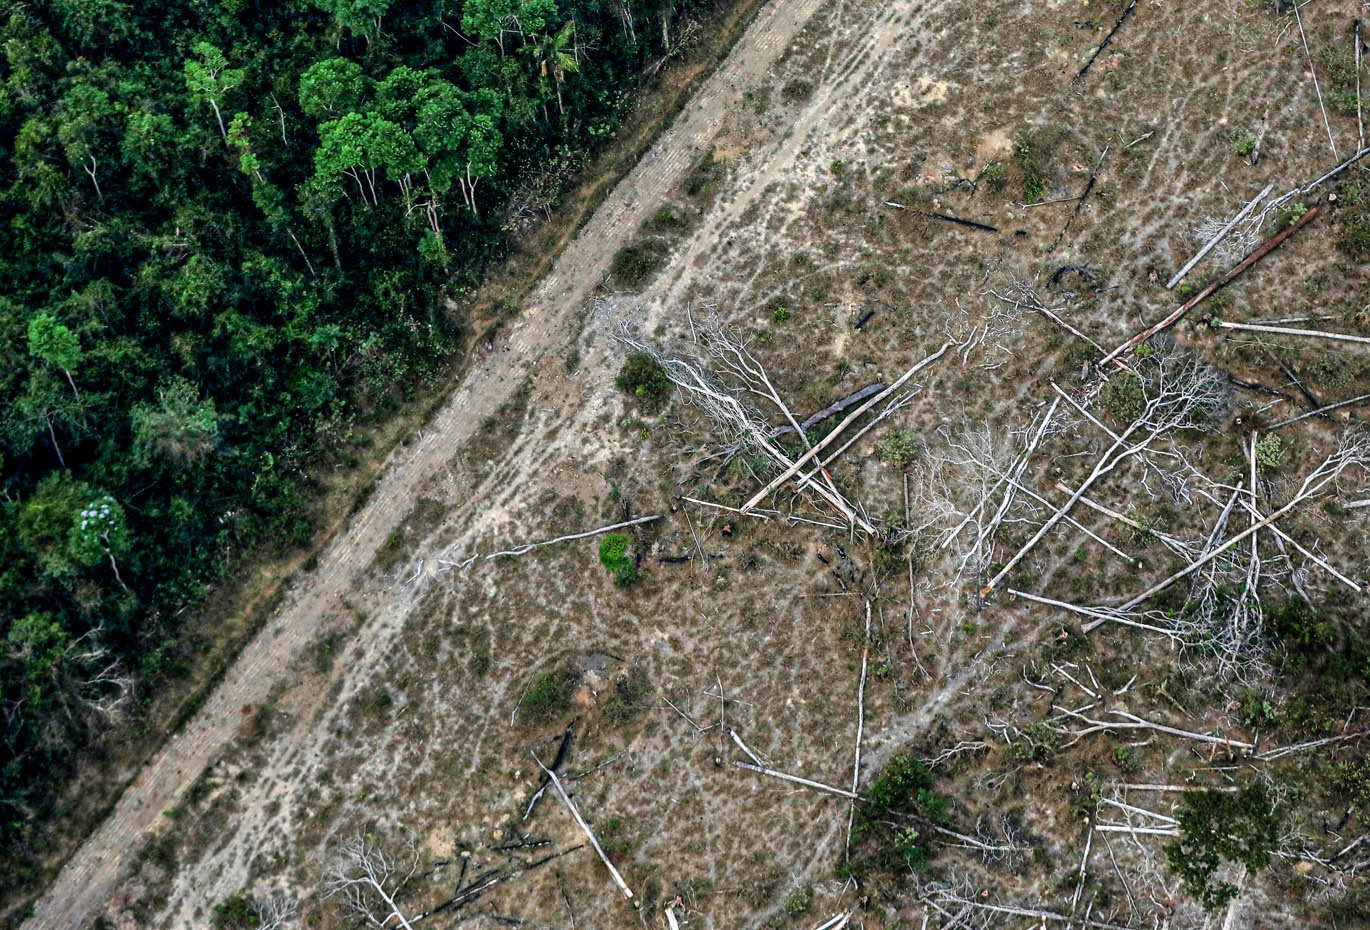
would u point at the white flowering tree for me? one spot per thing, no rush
(100, 532)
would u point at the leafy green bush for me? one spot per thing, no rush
(643, 377)
(1215, 827)
(613, 555)
(797, 90)
(635, 264)
(798, 901)
(549, 697)
(236, 912)
(1269, 452)
(1243, 143)
(881, 843)
(901, 448)
(1032, 152)
(995, 176)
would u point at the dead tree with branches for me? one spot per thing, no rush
(368, 880)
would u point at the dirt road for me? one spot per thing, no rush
(547, 323)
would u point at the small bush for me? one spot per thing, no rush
(1243, 143)
(995, 176)
(1270, 451)
(613, 555)
(798, 901)
(643, 377)
(634, 265)
(1123, 396)
(797, 90)
(901, 448)
(1214, 827)
(629, 696)
(549, 697)
(904, 788)
(780, 314)
(236, 912)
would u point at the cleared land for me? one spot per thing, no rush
(802, 202)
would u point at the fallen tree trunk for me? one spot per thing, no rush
(1260, 253)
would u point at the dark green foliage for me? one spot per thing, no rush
(228, 233)
(1032, 152)
(549, 697)
(236, 912)
(890, 830)
(1124, 396)
(1216, 827)
(613, 555)
(643, 377)
(635, 264)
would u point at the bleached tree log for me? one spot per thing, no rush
(1320, 411)
(1353, 451)
(1222, 234)
(585, 828)
(1260, 252)
(528, 547)
(795, 779)
(1131, 721)
(1288, 331)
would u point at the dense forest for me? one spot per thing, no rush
(228, 227)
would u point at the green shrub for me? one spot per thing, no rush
(797, 90)
(1269, 452)
(1214, 827)
(901, 448)
(904, 788)
(629, 696)
(613, 555)
(236, 912)
(798, 901)
(549, 697)
(1243, 143)
(644, 378)
(1032, 152)
(634, 265)
(995, 176)
(1123, 396)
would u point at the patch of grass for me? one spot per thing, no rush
(1243, 143)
